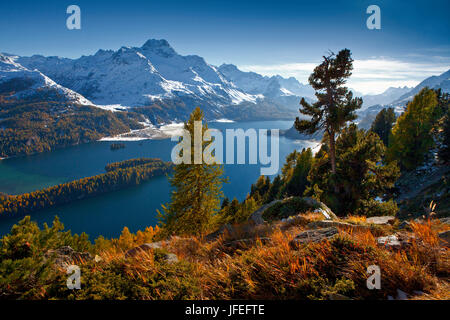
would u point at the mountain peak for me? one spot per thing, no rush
(160, 46)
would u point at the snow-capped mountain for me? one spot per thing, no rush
(18, 82)
(434, 82)
(134, 76)
(388, 96)
(286, 91)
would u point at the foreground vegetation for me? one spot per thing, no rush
(268, 267)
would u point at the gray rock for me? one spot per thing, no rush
(66, 256)
(381, 220)
(316, 235)
(143, 248)
(445, 220)
(391, 241)
(256, 217)
(395, 241)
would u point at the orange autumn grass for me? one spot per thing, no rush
(278, 270)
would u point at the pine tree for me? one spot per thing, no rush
(383, 123)
(197, 191)
(361, 175)
(411, 136)
(335, 104)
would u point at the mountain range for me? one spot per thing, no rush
(165, 86)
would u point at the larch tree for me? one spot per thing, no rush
(412, 136)
(197, 190)
(335, 105)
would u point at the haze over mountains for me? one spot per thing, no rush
(170, 85)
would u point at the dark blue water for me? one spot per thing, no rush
(133, 207)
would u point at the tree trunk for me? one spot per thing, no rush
(332, 151)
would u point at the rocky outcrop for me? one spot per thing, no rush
(395, 241)
(66, 256)
(148, 247)
(316, 235)
(257, 219)
(381, 220)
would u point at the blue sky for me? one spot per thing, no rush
(271, 37)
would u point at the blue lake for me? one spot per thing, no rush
(133, 207)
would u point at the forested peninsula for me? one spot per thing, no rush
(118, 175)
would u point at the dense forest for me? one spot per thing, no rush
(37, 126)
(119, 175)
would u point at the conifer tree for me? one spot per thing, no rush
(335, 104)
(361, 175)
(197, 191)
(411, 136)
(383, 123)
(295, 172)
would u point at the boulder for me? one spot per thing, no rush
(391, 241)
(394, 241)
(66, 256)
(316, 235)
(381, 220)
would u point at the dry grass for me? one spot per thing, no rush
(276, 270)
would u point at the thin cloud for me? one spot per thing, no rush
(372, 75)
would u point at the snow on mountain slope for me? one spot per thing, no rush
(388, 96)
(275, 87)
(442, 81)
(21, 83)
(139, 76)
